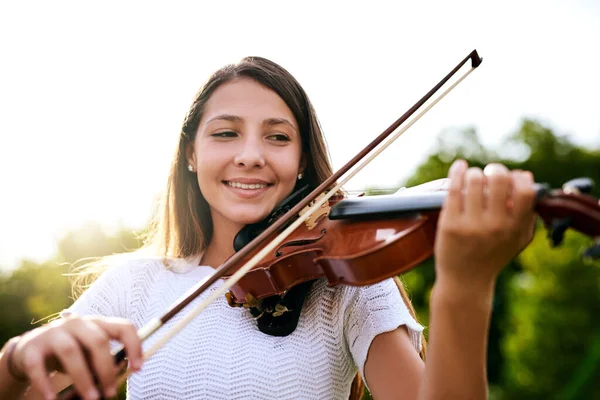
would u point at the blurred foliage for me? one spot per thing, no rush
(544, 335)
(553, 316)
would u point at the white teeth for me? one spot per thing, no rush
(247, 186)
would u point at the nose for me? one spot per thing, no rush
(250, 154)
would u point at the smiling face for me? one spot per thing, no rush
(247, 152)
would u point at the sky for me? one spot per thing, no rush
(92, 94)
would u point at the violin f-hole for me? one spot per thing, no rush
(301, 242)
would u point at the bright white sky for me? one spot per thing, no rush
(92, 94)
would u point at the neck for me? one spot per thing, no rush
(220, 247)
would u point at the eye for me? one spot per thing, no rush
(224, 134)
(279, 137)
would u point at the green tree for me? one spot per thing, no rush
(552, 158)
(552, 323)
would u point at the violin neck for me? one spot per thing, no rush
(387, 205)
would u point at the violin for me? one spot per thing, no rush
(363, 240)
(355, 241)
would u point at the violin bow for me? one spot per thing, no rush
(311, 203)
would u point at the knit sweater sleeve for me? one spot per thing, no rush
(108, 295)
(372, 310)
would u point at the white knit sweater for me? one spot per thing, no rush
(223, 355)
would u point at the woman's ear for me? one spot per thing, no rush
(190, 155)
(302, 167)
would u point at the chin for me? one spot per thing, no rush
(247, 217)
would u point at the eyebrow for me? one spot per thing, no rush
(278, 121)
(268, 121)
(226, 117)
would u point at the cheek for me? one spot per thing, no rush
(287, 168)
(210, 163)
(206, 150)
(211, 157)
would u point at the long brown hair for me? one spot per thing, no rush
(183, 226)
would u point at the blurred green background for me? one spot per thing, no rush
(545, 333)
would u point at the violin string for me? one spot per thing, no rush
(370, 190)
(275, 242)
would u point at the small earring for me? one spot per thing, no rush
(300, 176)
(190, 168)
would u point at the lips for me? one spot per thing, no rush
(247, 183)
(247, 188)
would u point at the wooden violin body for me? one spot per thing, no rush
(345, 251)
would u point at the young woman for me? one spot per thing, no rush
(249, 140)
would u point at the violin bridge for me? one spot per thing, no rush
(316, 215)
